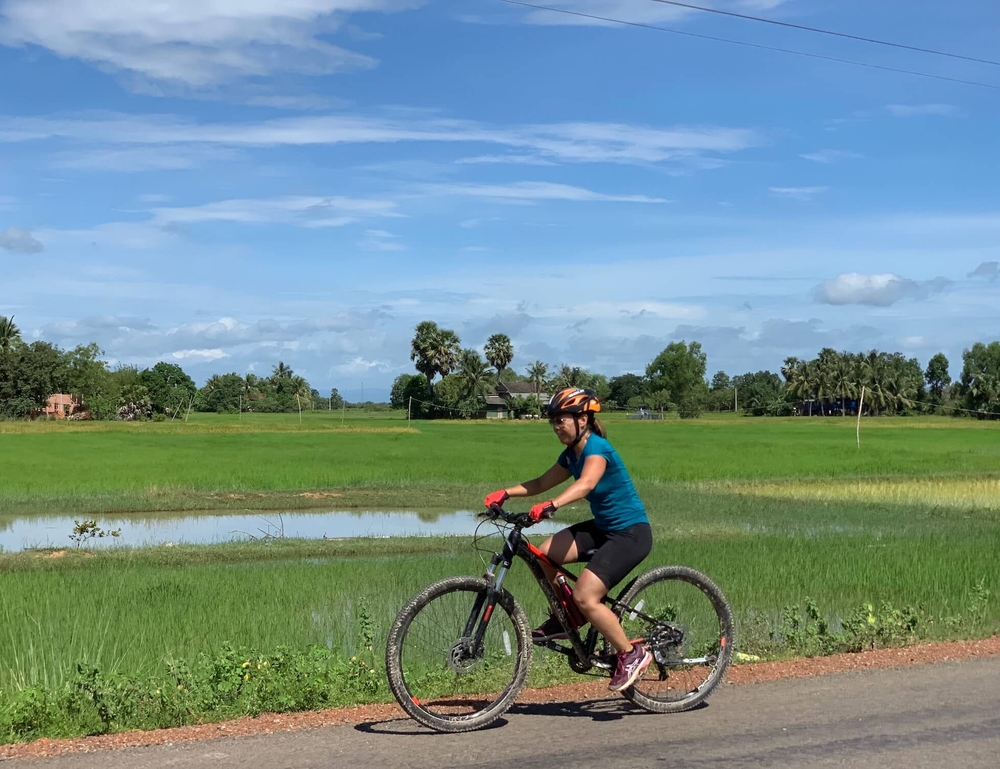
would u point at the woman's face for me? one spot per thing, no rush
(568, 427)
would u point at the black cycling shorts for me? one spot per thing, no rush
(618, 552)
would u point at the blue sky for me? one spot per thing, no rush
(226, 183)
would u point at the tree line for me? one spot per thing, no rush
(30, 373)
(452, 380)
(675, 380)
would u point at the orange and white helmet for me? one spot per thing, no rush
(573, 400)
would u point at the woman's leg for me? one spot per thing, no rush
(588, 592)
(560, 548)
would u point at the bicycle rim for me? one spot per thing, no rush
(437, 673)
(686, 624)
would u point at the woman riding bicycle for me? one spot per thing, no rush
(619, 530)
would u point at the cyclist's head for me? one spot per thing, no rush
(571, 412)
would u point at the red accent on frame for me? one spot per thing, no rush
(489, 613)
(545, 559)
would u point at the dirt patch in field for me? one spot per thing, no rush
(320, 494)
(590, 690)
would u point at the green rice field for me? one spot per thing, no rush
(778, 511)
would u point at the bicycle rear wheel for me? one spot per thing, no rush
(436, 671)
(685, 622)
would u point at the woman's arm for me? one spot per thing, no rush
(548, 480)
(590, 476)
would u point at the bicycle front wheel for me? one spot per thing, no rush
(685, 622)
(437, 671)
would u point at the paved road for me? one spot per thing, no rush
(945, 715)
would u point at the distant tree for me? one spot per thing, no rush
(980, 382)
(282, 371)
(475, 377)
(937, 377)
(680, 371)
(29, 374)
(536, 373)
(499, 352)
(762, 393)
(336, 399)
(169, 388)
(221, 393)
(86, 373)
(9, 333)
(721, 381)
(435, 351)
(621, 389)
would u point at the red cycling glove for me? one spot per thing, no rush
(543, 510)
(496, 498)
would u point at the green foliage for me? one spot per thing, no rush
(237, 681)
(679, 370)
(29, 374)
(937, 377)
(625, 389)
(83, 531)
(980, 382)
(762, 394)
(435, 351)
(169, 388)
(499, 352)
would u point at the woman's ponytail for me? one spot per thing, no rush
(597, 427)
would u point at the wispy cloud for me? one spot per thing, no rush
(20, 241)
(575, 142)
(797, 193)
(535, 191)
(524, 160)
(380, 240)
(194, 44)
(334, 211)
(876, 290)
(828, 157)
(141, 159)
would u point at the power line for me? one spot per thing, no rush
(807, 54)
(817, 30)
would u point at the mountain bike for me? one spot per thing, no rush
(463, 636)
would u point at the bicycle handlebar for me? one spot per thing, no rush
(523, 520)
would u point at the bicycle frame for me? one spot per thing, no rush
(581, 651)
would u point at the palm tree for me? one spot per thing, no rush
(281, 371)
(9, 333)
(473, 373)
(435, 351)
(844, 380)
(537, 372)
(499, 352)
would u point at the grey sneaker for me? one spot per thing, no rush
(630, 667)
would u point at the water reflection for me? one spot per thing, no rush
(202, 528)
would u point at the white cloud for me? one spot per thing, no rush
(380, 240)
(139, 159)
(918, 110)
(881, 290)
(192, 42)
(577, 142)
(524, 192)
(830, 156)
(524, 160)
(20, 242)
(199, 356)
(798, 193)
(315, 211)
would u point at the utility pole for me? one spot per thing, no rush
(736, 399)
(409, 408)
